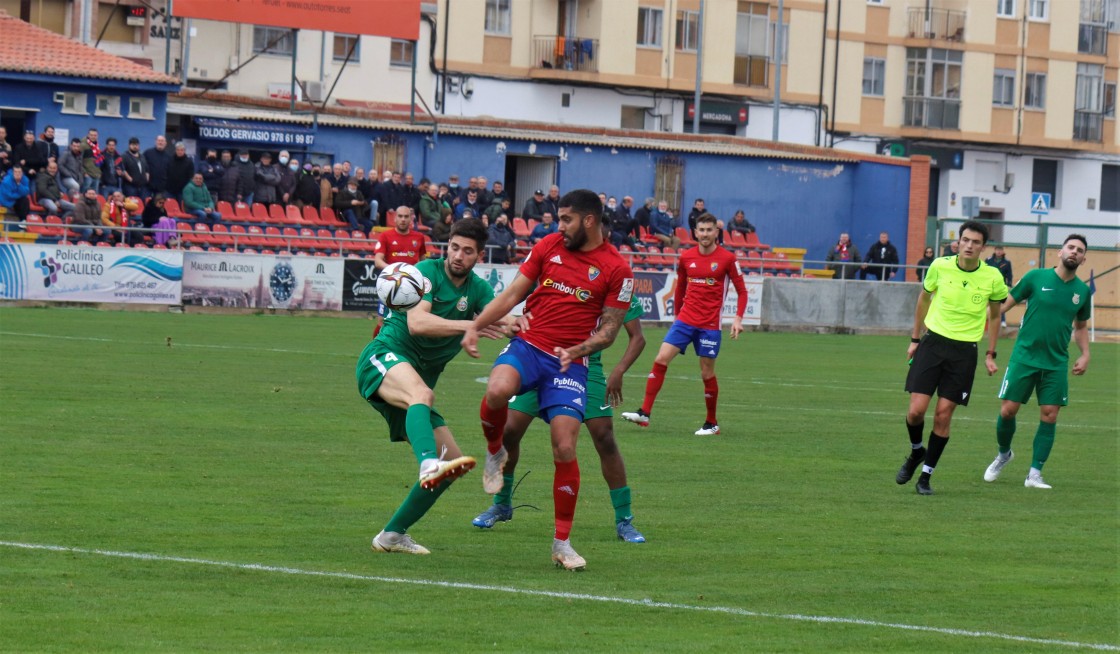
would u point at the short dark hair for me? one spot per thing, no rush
(75, 140)
(706, 218)
(110, 140)
(473, 229)
(977, 227)
(583, 202)
(1076, 237)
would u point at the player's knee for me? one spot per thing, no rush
(1049, 413)
(604, 441)
(1008, 411)
(564, 451)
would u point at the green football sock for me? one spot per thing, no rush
(415, 506)
(505, 496)
(418, 426)
(1043, 441)
(620, 500)
(1005, 431)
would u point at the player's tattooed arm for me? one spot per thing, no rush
(609, 324)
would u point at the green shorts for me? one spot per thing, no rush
(1020, 380)
(373, 364)
(597, 405)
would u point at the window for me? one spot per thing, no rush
(401, 52)
(388, 153)
(1110, 187)
(933, 88)
(273, 40)
(342, 45)
(1092, 32)
(1112, 15)
(1038, 9)
(873, 71)
(752, 27)
(649, 27)
(688, 30)
(497, 16)
(785, 42)
(1088, 92)
(633, 117)
(108, 105)
(1110, 100)
(668, 183)
(1035, 91)
(1003, 88)
(72, 103)
(141, 108)
(1045, 179)
(1005, 8)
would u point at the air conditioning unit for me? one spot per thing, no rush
(314, 91)
(59, 97)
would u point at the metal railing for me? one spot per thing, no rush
(570, 53)
(1088, 126)
(934, 113)
(940, 24)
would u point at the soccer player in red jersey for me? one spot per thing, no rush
(702, 276)
(582, 293)
(399, 244)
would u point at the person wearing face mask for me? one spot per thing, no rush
(212, 171)
(289, 174)
(246, 177)
(134, 171)
(307, 187)
(283, 158)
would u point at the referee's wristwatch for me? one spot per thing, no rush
(991, 353)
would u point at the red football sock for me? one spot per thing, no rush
(653, 386)
(493, 423)
(711, 394)
(565, 491)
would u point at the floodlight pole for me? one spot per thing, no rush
(699, 70)
(166, 39)
(412, 96)
(295, 51)
(778, 70)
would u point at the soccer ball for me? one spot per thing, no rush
(400, 286)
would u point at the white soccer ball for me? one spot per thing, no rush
(401, 286)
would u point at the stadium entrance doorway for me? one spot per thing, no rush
(525, 174)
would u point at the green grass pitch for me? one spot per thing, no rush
(161, 474)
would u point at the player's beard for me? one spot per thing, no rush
(578, 240)
(454, 274)
(1070, 264)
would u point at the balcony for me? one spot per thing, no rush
(566, 53)
(1092, 39)
(1087, 126)
(931, 113)
(937, 24)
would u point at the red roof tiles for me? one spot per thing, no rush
(25, 48)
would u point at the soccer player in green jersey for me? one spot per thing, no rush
(602, 395)
(397, 371)
(958, 293)
(1057, 304)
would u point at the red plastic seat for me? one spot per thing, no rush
(241, 212)
(173, 209)
(292, 215)
(291, 238)
(521, 228)
(260, 213)
(256, 237)
(226, 209)
(310, 215)
(219, 235)
(272, 238)
(685, 236)
(277, 215)
(325, 240)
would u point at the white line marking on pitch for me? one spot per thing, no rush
(729, 610)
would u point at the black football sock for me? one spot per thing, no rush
(915, 432)
(933, 452)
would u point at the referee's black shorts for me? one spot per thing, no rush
(943, 365)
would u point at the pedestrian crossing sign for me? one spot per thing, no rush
(1040, 203)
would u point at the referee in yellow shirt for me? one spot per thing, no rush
(959, 293)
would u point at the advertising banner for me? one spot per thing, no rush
(359, 286)
(399, 19)
(255, 281)
(67, 273)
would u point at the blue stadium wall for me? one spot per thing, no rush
(793, 202)
(25, 92)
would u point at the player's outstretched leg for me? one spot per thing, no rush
(501, 510)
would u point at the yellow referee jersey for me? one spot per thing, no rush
(960, 298)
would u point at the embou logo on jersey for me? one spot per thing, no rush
(581, 294)
(592, 273)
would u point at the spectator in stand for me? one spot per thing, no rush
(641, 218)
(87, 218)
(4, 145)
(882, 257)
(180, 171)
(950, 249)
(29, 155)
(663, 225)
(283, 158)
(999, 261)
(326, 189)
(432, 209)
(307, 187)
(289, 175)
(923, 264)
(338, 177)
(212, 171)
(365, 186)
(48, 192)
(246, 177)
(345, 177)
(621, 225)
(15, 195)
(552, 202)
(502, 240)
(154, 211)
(351, 207)
(441, 231)
(387, 196)
(534, 207)
(498, 192)
(5, 162)
(453, 186)
(197, 201)
(497, 208)
(410, 195)
(739, 223)
(47, 145)
(117, 212)
(158, 160)
(472, 185)
(845, 255)
(485, 197)
(92, 161)
(268, 180)
(543, 229)
(134, 171)
(697, 211)
(70, 167)
(471, 203)
(111, 169)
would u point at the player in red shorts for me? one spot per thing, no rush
(582, 293)
(702, 276)
(399, 244)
